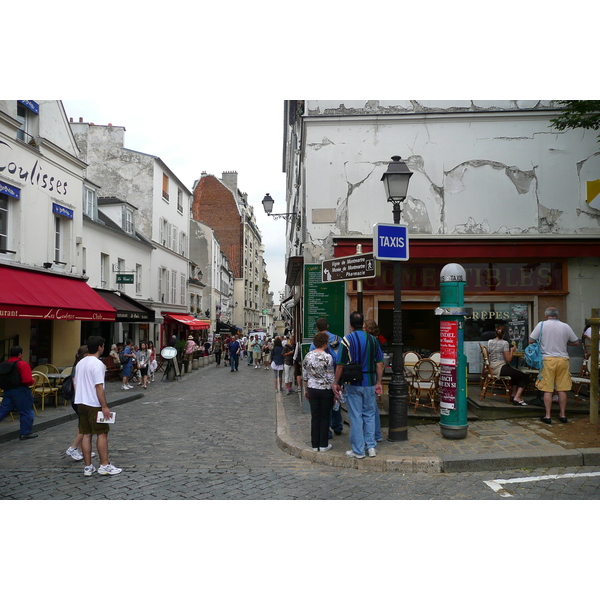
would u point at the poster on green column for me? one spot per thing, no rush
(323, 300)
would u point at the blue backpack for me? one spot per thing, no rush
(533, 353)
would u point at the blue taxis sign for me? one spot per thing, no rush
(390, 242)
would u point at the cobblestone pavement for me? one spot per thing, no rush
(212, 436)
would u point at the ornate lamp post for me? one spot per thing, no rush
(395, 181)
(268, 203)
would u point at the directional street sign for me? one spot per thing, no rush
(358, 266)
(390, 242)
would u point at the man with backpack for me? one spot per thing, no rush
(361, 348)
(15, 381)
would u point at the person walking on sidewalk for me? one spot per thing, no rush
(127, 360)
(91, 400)
(361, 395)
(256, 351)
(217, 349)
(19, 397)
(556, 337)
(318, 373)
(277, 363)
(234, 353)
(288, 364)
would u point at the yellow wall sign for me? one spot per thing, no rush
(593, 193)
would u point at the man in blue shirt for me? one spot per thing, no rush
(234, 353)
(361, 396)
(321, 324)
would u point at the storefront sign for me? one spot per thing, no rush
(124, 278)
(517, 277)
(63, 211)
(448, 363)
(28, 173)
(10, 190)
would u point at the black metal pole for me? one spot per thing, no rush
(398, 390)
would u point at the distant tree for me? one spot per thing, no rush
(578, 113)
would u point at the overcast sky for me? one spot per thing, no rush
(212, 135)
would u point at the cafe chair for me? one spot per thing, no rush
(41, 369)
(113, 371)
(51, 368)
(490, 383)
(43, 388)
(425, 385)
(582, 379)
(410, 360)
(66, 371)
(436, 358)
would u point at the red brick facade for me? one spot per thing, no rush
(215, 205)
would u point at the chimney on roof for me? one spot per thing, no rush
(81, 119)
(230, 180)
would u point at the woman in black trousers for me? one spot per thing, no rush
(317, 372)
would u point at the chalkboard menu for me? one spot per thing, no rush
(323, 300)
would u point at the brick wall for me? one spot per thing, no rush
(215, 205)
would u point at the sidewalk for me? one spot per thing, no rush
(489, 445)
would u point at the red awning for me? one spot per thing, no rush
(26, 294)
(187, 320)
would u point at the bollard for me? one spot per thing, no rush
(453, 362)
(195, 364)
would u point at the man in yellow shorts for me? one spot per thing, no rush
(556, 336)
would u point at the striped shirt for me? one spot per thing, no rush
(361, 347)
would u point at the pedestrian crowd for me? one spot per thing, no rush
(335, 370)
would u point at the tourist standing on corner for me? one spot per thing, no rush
(90, 400)
(318, 373)
(337, 424)
(556, 337)
(361, 395)
(19, 397)
(217, 350)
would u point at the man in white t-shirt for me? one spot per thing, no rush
(556, 336)
(90, 400)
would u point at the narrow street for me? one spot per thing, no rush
(212, 436)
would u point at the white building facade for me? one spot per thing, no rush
(157, 207)
(494, 188)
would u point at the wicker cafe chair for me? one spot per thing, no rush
(43, 388)
(51, 368)
(582, 379)
(489, 383)
(425, 385)
(410, 360)
(41, 369)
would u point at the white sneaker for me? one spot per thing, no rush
(329, 447)
(108, 470)
(89, 470)
(124, 387)
(352, 455)
(130, 386)
(372, 452)
(315, 449)
(74, 453)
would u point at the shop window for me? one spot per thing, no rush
(486, 315)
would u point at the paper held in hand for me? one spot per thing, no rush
(100, 418)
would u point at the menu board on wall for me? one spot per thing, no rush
(517, 328)
(323, 300)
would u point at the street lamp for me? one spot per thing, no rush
(395, 181)
(268, 203)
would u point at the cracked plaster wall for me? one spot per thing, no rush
(500, 174)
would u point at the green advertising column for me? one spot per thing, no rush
(453, 362)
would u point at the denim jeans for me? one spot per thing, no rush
(336, 422)
(362, 405)
(19, 399)
(234, 361)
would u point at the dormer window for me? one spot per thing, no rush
(129, 221)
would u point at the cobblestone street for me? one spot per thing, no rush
(212, 436)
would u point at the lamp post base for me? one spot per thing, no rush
(454, 432)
